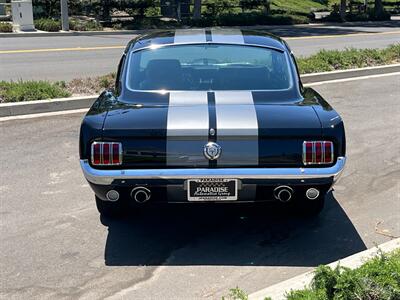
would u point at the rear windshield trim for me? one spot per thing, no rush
(158, 46)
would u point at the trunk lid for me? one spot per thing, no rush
(172, 132)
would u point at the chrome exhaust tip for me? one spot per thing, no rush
(112, 195)
(283, 193)
(312, 193)
(141, 194)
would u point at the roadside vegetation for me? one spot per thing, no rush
(49, 25)
(77, 24)
(331, 60)
(6, 27)
(376, 279)
(145, 14)
(325, 60)
(31, 90)
(40, 90)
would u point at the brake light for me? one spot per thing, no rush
(328, 152)
(106, 153)
(96, 150)
(317, 152)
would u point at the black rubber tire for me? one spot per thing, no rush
(110, 209)
(310, 208)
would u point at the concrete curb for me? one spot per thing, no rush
(140, 31)
(43, 106)
(343, 74)
(278, 291)
(70, 33)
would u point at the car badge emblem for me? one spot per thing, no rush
(212, 151)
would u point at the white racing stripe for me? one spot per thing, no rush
(230, 36)
(237, 128)
(187, 128)
(190, 36)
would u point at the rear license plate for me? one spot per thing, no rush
(212, 189)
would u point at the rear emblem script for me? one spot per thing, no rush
(212, 151)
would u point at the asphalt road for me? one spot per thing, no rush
(54, 246)
(72, 59)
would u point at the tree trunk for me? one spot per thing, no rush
(342, 9)
(267, 7)
(378, 7)
(106, 16)
(197, 9)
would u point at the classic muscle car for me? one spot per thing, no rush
(210, 116)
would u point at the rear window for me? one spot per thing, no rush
(208, 67)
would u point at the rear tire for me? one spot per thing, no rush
(310, 208)
(110, 209)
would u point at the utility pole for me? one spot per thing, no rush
(64, 15)
(197, 10)
(342, 9)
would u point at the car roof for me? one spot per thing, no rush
(212, 35)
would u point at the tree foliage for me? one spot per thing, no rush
(99, 8)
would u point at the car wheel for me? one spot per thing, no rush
(309, 208)
(110, 209)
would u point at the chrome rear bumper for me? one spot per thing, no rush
(106, 177)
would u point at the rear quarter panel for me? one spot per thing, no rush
(331, 122)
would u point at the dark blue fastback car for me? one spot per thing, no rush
(210, 116)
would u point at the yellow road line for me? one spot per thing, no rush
(61, 49)
(340, 35)
(122, 47)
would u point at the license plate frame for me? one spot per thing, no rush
(212, 189)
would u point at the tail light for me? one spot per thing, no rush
(317, 152)
(106, 153)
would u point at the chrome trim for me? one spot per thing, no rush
(150, 47)
(109, 198)
(332, 153)
(304, 153)
(106, 177)
(314, 153)
(312, 189)
(140, 189)
(158, 46)
(277, 191)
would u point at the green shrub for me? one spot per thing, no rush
(257, 18)
(150, 23)
(5, 27)
(370, 15)
(91, 85)
(117, 26)
(378, 278)
(83, 25)
(330, 60)
(30, 90)
(48, 25)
